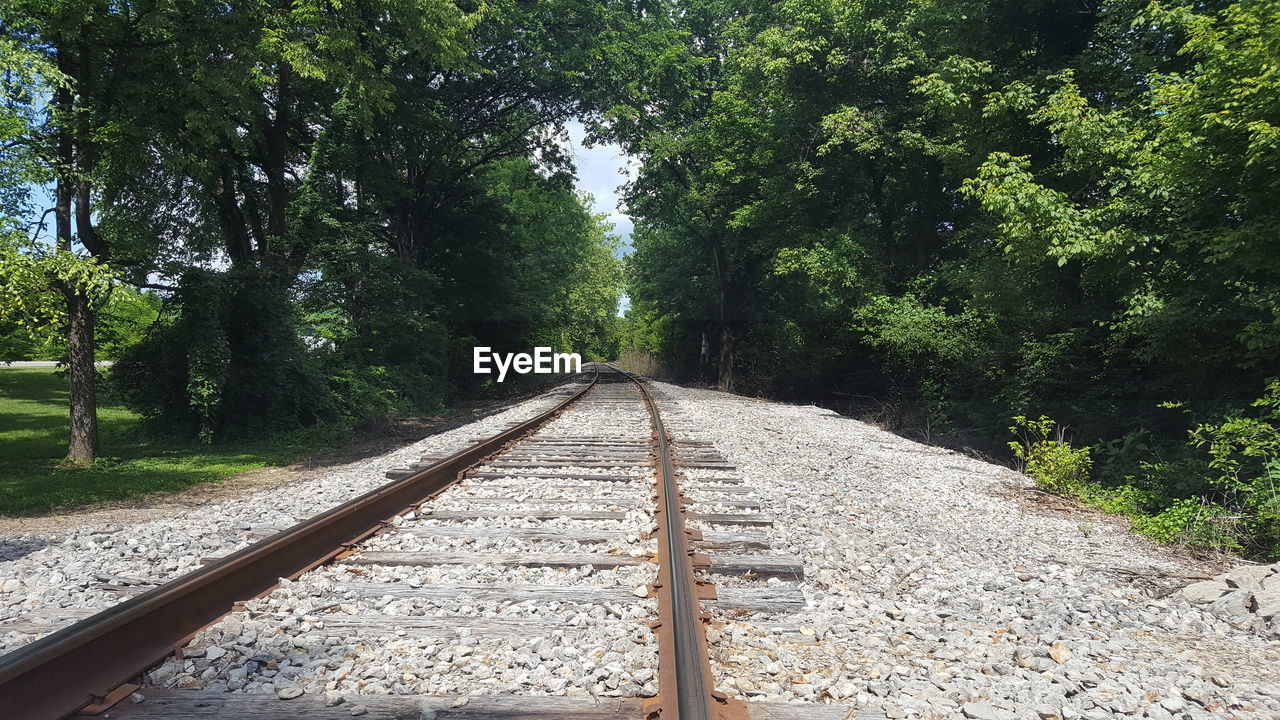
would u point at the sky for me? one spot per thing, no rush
(601, 170)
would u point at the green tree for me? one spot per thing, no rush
(360, 155)
(970, 210)
(59, 88)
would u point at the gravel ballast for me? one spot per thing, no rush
(48, 581)
(934, 585)
(426, 608)
(938, 588)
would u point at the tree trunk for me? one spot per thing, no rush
(883, 212)
(277, 158)
(84, 402)
(83, 447)
(704, 356)
(726, 314)
(728, 337)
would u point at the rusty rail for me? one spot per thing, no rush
(686, 687)
(83, 664)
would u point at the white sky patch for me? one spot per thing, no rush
(601, 171)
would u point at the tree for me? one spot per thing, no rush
(55, 78)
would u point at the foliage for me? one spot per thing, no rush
(1218, 493)
(917, 338)
(1191, 521)
(978, 209)
(1245, 450)
(26, 75)
(33, 279)
(643, 328)
(186, 377)
(123, 320)
(589, 312)
(1244, 455)
(340, 198)
(1050, 460)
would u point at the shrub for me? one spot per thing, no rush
(1218, 491)
(1244, 455)
(1123, 499)
(1194, 522)
(228, 361)
(1055, 465)
(373, 393)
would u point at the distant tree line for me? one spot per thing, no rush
(955, 212)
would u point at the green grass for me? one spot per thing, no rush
(33, 444)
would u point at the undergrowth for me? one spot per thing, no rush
(1220, 491)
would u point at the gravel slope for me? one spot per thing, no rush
(937, 590)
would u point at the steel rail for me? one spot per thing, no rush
(82, 664)
(686, 688)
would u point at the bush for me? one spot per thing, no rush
(1220, 491)
(227, 362)
(1126, 499)
(371, 393)
(1244, 455)
(1191, 521)
(1055, 465)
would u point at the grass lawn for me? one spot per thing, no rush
(33, 443)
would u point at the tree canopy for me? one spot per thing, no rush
(947, 213)
(334, 200)
(959, 212)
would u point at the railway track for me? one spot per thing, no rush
(568, 567)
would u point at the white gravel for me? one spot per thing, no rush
(936, 590)
(936, 585)
(353, 628)
(48, 581)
